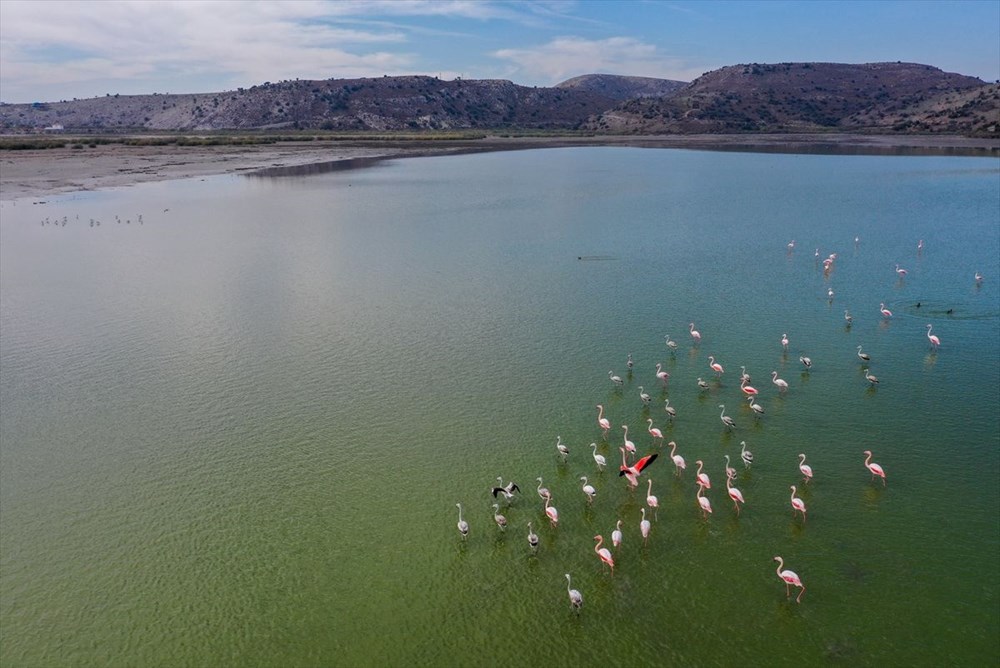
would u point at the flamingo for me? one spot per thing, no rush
(829, 294)
(807, 471)
(563, 449)
(886, 313)
(730, 471)
(617, 380)
(695, 334)
(745, 455)
(791, 245)
(702, 384)
(715, 366)
(706, 505)
(875, 469)
(864, 357)
(616, 535)
(871, 379)
(757, 409)
(920, 245)
(602, 421)
(588, 489)
(632, 472)
(498, 518)
(644, 526)
(744, 376)
(603, 553)
(551, 512)
(798, 504)
(848, 318)
(748, 390)
(784, 342)
(679, 463)
(507, 490)
(575, 597)
(629, 363)
(935, 341)
(629, 445)
(734, 494)
(672, 345)
(782, 385)
(644, 396)
(661, 374)
(790, 579)
(979, 278)
(532, 538)
(599, 459)
(702, 478)
(726, 420)
(651, 500)
(900, 272)
(653, 431)
(806, 362)
(671, 413)
(463, 526)
(543, 492)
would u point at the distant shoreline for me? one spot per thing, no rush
(43, 173)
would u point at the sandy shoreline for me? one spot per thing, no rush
(41, 173)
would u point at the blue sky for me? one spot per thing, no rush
(58, 50)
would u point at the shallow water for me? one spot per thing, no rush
(235, 434)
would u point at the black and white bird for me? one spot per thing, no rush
(629, 363)
(617, 380)
(532, 538)
(726, 420)
(702, 384)
(848, 318)
(671, 413)
(588, 489)
(562, 448)
(757, 409)
(543, 492)
(644, 396)
(864, 357)
(575, 597)
(507, 490)
(463, 526)
(806, 362)
(870, 378)
(745, 454)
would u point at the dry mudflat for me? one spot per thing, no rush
(40, 173)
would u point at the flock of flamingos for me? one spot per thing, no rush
(632, 466)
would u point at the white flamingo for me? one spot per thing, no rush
(734, 494)
(629, 445)
(679, 464)
(706, 505)
(599, 459)
(562, 448)
(616, 535)
(588, 489)
(695, 334)
(653, 431)
(781, 384)
(575, 597)
(935, 341)
(532, 538)
(463, 526)
(671, 413)
(651, 500)
(726, 420)
(644, 526)
(745, 455)
(806, 470)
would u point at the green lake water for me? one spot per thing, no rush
(234, 433)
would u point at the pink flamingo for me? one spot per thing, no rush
(702, 478)
(782, 385)
(790, 579)
(805, 468)
(604, 553)
(875, 469)
(695, 334)
(886, 313)
(748, 390)
(784, 342)
(900, 272)
(616, 535)
(651, 500)
(734, 494)
(551, 512)
(661, 374)
(798, 504)
(653, 431)
(644, 526)
(935, 341)
(716, 367)
(629, 445)
(603, 422)
(706, 505)
(679, 463)
(632, 472)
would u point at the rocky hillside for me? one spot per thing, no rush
(815, 96)
(387, 103)
(621, 87)
(786, 97)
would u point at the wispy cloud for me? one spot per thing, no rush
(565, 57)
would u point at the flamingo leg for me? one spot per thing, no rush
(802, 590)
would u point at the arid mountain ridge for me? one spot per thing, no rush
(783, 97)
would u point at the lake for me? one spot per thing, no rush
(236, 413)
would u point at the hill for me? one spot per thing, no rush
(811, 97)
(623, 87)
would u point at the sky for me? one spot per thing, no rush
(57, 50)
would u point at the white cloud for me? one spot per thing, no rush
(566, 57)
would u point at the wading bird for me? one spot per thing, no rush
(563, 449)
(782, 385)
(603, 553)
(864, 357)
(672, 345)
(588, 489)
(730, 471)
(798, 504)
(703, 503)
(644, 396)
(757, 409)
(463, 526)
(599, 459)
(806, 470)
(507, 490)
(806, 362)
(745, 454)
(695, 334)
(617, 380)
(715, 366)
(575, 597)
(726, 420)
(734, 494)
(702, 385)
(498, 518)
(871, 379)
(602, 421)
(790, 579)
(616, 535)
(900, 272)
(848, 318)
(702, 478)
(543, 492)
(652, 501)
(784, 342)
(629, 445)
(629, 363)
(679, 463)
(653, 431)
(886, 313)
(632, 472)
(551, 512)
(661, 374)
(874, 468)
(532, 538)
(748, 390)
(935, 341)
(671, 413)
(644, 526)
